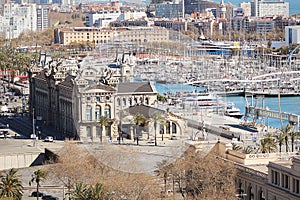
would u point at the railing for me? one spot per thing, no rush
(254, 172)
(272, 114)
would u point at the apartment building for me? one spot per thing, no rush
(168, 10)
(102, 19)
(18, 18)
(42, 17)
(292, 35)
(84, 35)
(262, 8)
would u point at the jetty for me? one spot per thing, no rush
(257, 112)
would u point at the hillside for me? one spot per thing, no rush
(74, 19)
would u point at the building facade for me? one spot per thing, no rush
(17, 18)
(102, 19)
(292, 35)
(168, 10)
(262, 8)
(86, 103)
(84, 35)
(264, 176)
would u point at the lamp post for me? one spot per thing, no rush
(33, 127)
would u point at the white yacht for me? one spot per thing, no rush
(233, 111)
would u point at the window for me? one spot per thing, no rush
(147, 101)
(286, 181)
(168, 127)
(88, 113)
(118, 102)
(88, 132)
(98, 131)
(174, 128)
(98, 113)
(107, 111)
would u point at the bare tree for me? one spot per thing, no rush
(198, 177)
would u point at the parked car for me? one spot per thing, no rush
(173, 137)
(4, 134)
(49, 197)
(39, 194)
(48, 139)
(33, 136)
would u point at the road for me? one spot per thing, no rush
(22, 126)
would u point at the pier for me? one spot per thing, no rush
(264, 112)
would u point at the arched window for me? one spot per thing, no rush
(88, 113)
(124, 102)
(174, 128)
(135, 101)
(141, 100)
(98, 113)
(130, 102)
(118, 102)
(168, 127)
(107, 112)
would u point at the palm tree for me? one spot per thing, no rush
(38, 177)
(248, 150)
(267, 144)
(87, 192)
(236, 147)
(138, 120)
(287, 131)
(157, 118)
(280, 137)
(293, 135)
(11, 185)
(79, 191)
(104, 122)
(97, 191)
(121, 118)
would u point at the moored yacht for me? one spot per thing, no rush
(233, 111)
(202, 100)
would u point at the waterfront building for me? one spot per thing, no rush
(265, 176)
(264, 26)
(91, 35)
(172, 24)
(191, 6)
(261, 8)
(102, 19)
(292, 35)
(246, 6)
(168, 10)
(239, 23)
(83, 35)
(74, 99)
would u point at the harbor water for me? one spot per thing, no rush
(287, 104)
